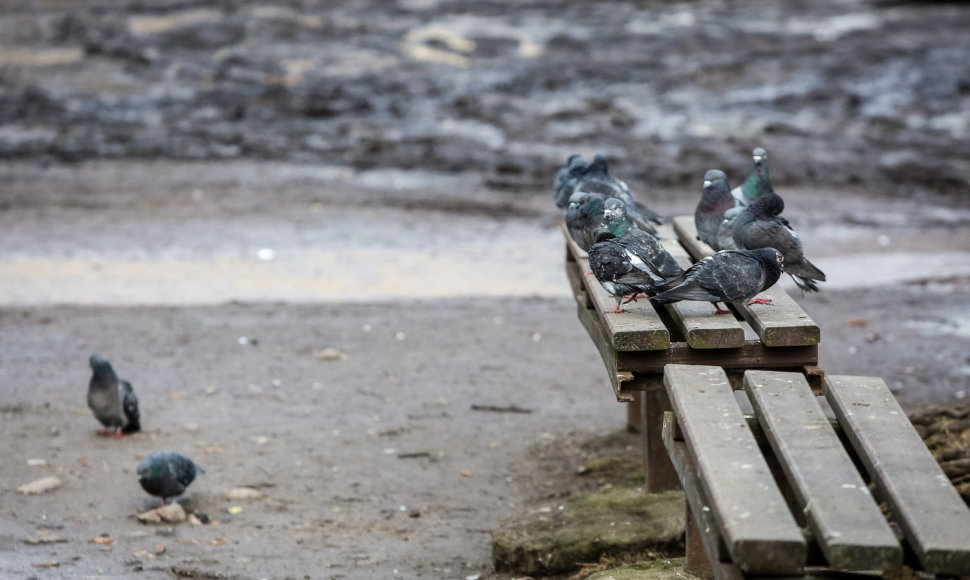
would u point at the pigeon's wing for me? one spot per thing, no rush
(652, 253)
(184, 469)
(698, 284)
(736, 275)
(129, 404)
(772, 234)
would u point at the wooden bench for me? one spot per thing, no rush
(637, 344)
(779, 481)
(788, 491)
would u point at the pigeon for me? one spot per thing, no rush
(715, 201)
(584, 215)
(622, 271)
(758, 181)
(166, 474)
(760, 225)
(727, 276)
(597, 179)
(566, 179)
(111, 399)
(639, 242)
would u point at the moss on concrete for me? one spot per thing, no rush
(614, 520)
(665, 569)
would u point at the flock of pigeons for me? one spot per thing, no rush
(754, 244)
(165, 474)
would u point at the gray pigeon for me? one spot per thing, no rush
(622, 271)
(598, 179)
(111, 399)
(758, 181)
(639, 242)
(760, 225)
(715, 201)
(727, 276)
(584, 215)
(566, 179)
(166, 474)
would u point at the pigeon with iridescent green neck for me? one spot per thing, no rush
(166, 474)
(715, 201)
(758, 181)
(598, 179)
(760, 225)
(566, 179)
(112, 400)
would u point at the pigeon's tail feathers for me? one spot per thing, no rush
(129, 405)
(805, 269)
(806, 284)
(685, 291)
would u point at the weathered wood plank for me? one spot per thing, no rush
(696, 497)
(638, 327)
(784, 323)
(697, 321)
(934, 519)
(846, 522)
(752, 515)
(752, 355)
(623, 381)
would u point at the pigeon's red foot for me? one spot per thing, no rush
(718, 310)
(616, 310)
(759, 301)
(630, 298)
(104, 432)
(118, 434)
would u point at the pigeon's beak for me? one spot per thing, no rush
(707, 183)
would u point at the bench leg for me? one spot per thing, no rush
(697, 562)
(634, 413)
(661, 475)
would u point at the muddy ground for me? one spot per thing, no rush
(212, 195)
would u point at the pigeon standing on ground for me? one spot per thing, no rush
(715, 201)
(166, 474)
(111, 399)
(584, 215)
(624, 272)
(758, 181)
(727, 276)
(566, 179)
(597, 179)
(760, 225)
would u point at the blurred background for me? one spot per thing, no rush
(178, 175)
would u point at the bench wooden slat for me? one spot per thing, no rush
(784, 323)
(620, 379)
(933, 517)
(846, 522)
(752, 355)
(752, 515)
(694, 493)
(698, 323)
